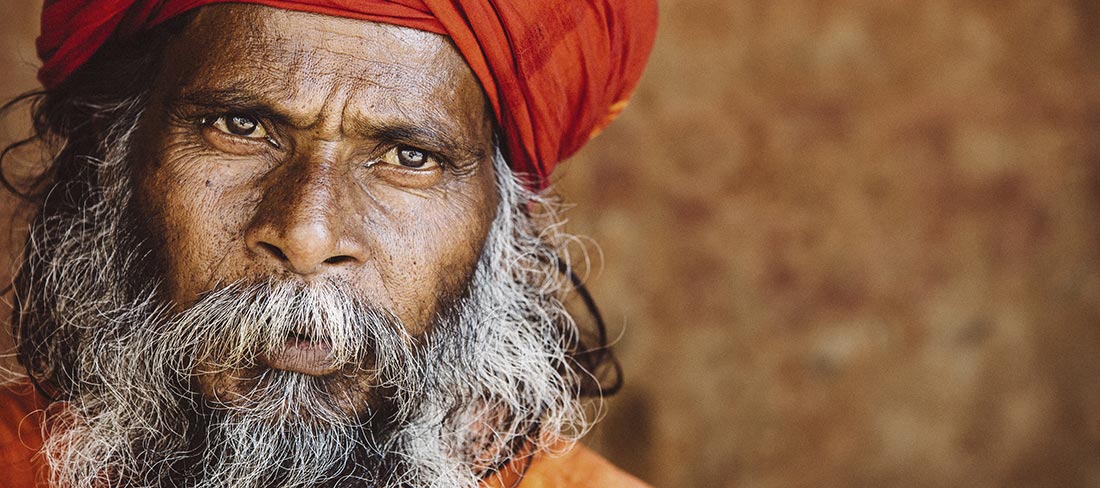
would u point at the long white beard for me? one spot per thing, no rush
(491, 379)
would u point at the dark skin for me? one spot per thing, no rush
(300, 147)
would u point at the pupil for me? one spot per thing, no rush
(241, 125)
(411, 158)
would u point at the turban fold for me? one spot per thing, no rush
(555, 72)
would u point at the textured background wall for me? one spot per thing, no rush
(850, 243)
(18, 28)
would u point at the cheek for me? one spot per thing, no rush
(432, 252)
(200, 221)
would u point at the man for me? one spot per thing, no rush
(300, 243)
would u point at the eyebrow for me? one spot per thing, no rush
(257, 104)
(430, 136)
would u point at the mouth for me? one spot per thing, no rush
(304, 354)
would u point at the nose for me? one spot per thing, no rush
(302, 226)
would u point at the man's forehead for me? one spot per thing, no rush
(298, 60)
(247, 33)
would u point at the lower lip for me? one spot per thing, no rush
(313, 358)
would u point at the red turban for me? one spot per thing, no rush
(555, 72)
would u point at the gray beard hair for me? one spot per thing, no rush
(492, 381)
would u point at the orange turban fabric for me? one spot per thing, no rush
(555, 72)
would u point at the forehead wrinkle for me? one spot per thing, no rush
(416, 95)
(308, 83)
(375, 106)
(408, 100)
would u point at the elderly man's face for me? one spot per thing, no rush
(283, 146)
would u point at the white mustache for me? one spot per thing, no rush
(230, 327)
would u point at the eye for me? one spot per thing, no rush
(413, 158)
(409, 157)
(239, 125)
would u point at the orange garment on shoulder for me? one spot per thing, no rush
(578, 468)
(21, 415)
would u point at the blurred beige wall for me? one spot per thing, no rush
(848, 243)
(18, 28)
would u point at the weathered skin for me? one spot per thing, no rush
(315, 191)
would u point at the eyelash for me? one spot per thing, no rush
(384, 149)
(208, 121)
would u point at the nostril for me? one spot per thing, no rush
(274, 250)
(339, 259)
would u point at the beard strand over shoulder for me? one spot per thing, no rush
(491, 381)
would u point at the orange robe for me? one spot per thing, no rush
(21, 467)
